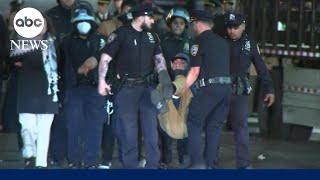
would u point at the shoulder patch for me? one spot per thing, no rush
(102, 43)
(111, 38)
(194, 49)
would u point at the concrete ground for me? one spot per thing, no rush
(265, 154)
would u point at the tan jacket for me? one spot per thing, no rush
(107, 27)
(173, 122)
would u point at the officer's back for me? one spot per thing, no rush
(214, 51)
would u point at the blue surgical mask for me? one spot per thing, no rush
(83, 27)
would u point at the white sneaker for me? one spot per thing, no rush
(105, 166)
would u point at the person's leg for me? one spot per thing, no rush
(29, 134)
(29, 137)
(126, 112)
(239, 121)
(44, 122)
(149, 122)
(215, 122)
(95, 116)
(74, 116)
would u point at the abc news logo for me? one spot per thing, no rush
(29, 23)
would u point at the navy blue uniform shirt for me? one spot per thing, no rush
(133, 51)
(211, 53)
(243, 52)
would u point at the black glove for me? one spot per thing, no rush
(165, 80)
(159, 101)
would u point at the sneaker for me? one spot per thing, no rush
(30, 163)
(142, 163)
(105, 166)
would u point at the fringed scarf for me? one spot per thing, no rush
(49, 58)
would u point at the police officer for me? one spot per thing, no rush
(244, 50)
(83, 106)
(174, 42)
(210, 68)
(133, 47)
(219, 27)
(102, 13)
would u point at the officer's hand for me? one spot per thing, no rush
(269, 99)
(103, 88)
(88, 65)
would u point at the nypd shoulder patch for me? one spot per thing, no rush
(102, 44)
(111, 38)
(194, 49)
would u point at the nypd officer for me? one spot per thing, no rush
(210, 70)
(243, 51)
(133, 47)
(83, 106)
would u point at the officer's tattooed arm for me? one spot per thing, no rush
(160, 62)
(103, 66)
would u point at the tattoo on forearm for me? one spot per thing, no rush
(103, 69)
(160, 62)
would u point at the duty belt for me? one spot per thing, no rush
(216, 80)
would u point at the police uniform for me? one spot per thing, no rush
(132, 52)
(243, 52)
(210, 106)
(83, 106)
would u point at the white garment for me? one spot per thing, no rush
(35, 132)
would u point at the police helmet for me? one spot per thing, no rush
(178, 12)
(83, 12)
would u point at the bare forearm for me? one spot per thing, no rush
(104, 66)
(191, 77)
(160, 62)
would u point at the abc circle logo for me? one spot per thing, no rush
(28, 22)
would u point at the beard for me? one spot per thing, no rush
(145, 27)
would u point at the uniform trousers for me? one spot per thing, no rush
(209, 107)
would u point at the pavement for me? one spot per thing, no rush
(265, 154)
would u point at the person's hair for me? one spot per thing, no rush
(50, 27)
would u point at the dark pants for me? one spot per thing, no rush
(58, 138)
(238, 117)
(10, 116)
(85, 116)
(130, 104)
(166, 147)
(211, 104)
(108, 140)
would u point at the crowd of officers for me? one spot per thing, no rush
(143, 77)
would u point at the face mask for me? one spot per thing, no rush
(180, 72)
(83, 27)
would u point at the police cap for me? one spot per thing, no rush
(234, 20)
(142, 10)
(200, 15)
